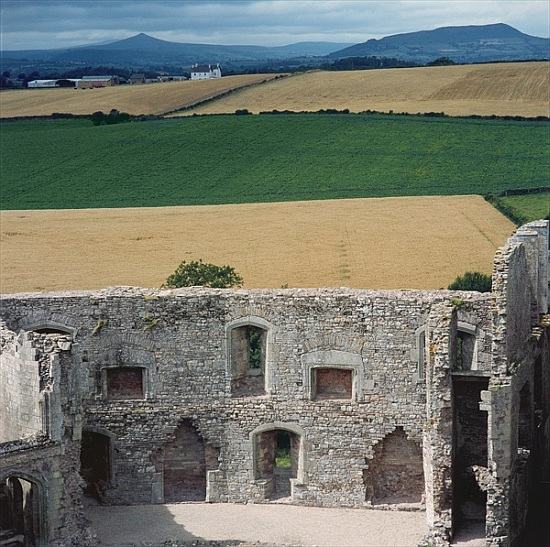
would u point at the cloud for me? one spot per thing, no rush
(28, 24)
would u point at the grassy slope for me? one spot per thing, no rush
(532, 206)
(236, 159)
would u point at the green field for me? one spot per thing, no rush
(530, 206)
(236, 159)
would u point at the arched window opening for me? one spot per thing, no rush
(95, 463)
(395, 474)
(277, 461)
(20, 513)
(248, 358)
(185, 465)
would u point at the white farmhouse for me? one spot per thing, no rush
(205, 72)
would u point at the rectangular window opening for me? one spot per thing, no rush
(332, 383)
(124, 383)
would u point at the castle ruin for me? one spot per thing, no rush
(403, 400)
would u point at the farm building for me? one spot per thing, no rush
(435, 401)
(172, 78)
(87, 82)
(205, 72)
(42, 83)
(137, 78)
(62, 82)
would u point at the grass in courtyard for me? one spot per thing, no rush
(283, 459)
(238, 159)
(532, 206)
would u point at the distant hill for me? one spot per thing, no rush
(142, 49)
(462, 44)
(466, 44)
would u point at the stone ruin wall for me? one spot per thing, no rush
(188, 376)
(521, 363)
(19, 391)
(181, 340)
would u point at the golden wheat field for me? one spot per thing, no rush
(412, 242)
(155, 98)
(501, 89)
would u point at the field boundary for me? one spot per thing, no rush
(506, 117)
(322, 111)
(508, 211)
(222, 94)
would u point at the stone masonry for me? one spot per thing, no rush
(136, 396)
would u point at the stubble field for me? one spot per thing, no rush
(155, 98)
(415, 242)
(502, 89)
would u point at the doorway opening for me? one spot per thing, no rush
(277, 461)
(20, 513)
(185, 465)
(395, 474)
(469, 462)
(95, 463)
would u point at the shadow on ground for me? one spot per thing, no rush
(135, 526)
(266, 525)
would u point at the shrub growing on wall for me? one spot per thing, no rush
(199, 273)
(472, 281)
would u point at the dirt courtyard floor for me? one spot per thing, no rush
(240, 525)
(381, 243)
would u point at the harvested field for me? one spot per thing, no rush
(502, 89)
(415, 242)
(134, 99)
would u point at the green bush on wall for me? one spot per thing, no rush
(199, 273)
(472, 281)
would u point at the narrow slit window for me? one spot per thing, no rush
(465, 350)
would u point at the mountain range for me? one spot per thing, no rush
(462, 44)
(143, 49)
(466, 43)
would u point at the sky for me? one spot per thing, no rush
(47, 24)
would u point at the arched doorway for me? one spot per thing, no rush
(395, 474)
(95, 463)
(185, 465)
(21, 512)
(277, 460)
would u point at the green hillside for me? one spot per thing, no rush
(236, 159)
